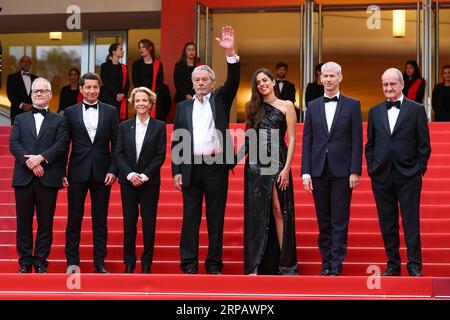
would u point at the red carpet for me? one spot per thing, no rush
(365, 244)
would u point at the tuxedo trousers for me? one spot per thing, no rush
(399, 189)
(209, 181)
(76, 195)
(332, 197)
(30, 198)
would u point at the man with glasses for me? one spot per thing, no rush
(39, 142)
(18, 88)
(397, 153)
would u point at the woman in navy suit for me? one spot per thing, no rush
(141, 151)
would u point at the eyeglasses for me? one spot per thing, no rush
(41, 91)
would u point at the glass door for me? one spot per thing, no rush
(97, 48)
(203, 27)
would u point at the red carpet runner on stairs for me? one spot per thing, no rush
(365, 244)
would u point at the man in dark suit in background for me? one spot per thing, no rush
(205, 172)
(18, 88)
(397, 153)
(39, 141)
(93, 128)
(286, 88)
(331, 164)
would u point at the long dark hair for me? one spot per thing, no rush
(256, 111)
(183, 58)
(111, 49)
(416, 74)
(149, 45)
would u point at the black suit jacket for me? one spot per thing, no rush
(288, 92)
(17, 93)
(221, 101)
(342, 145)
(407, 148)
(52, 143)
(86, 156)
(153, 152)
(112, 79)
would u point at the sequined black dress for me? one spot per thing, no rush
(261, 248)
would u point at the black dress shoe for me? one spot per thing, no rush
(146, 269)
(214, 272)
(190, 271)
(24, 269)
(100, 269)
(129, 268)
(413, 272)
(40, 268)
(325, 272)
(335, 272)
(391, 272)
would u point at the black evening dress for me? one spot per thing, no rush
(261, 248)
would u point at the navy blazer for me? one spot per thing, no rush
(86, 156)
(407, 148)
(342, 144)
(153, 152)
(221, 101)
(52, 143)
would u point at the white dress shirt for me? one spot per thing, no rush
(141, 130)
(393, 114)
(206, 141)
(330, 110)
(27, 81)
(280, 85)
(38, 119)
(90, 119)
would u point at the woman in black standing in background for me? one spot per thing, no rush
(182, 75)
(70, 94)
(114, 76)
(414, 88)
(148, 72)
(441, 97)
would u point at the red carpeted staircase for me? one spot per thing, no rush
(365, 247)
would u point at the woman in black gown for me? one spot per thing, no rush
(115, 81)
(269, 219)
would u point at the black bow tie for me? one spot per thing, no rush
(87, 106)
(41, 111)
(390, 104)
(25, 74)
(282, 81)
(326, 99)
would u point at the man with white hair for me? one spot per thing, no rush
(39, 142)
(206, 118)
(397, 153)
(331, 164)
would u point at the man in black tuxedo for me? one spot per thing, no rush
(286, 89)
(39, 142)
(331, 164)
(397, 153)
(18, 88)
(93, 128)
(201, 168)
